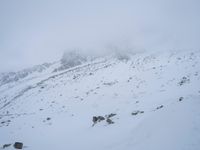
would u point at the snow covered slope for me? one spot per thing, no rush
(150, 101)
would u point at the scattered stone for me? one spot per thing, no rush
(18, 145)
(130, 78)
(48, 118)
(134, 113)
(109, 121)
(100, 118)
(137, 102)
(137, 112)
(180, 99)
(94, 119)
(159, 107)
(110, 83)
(74, 77)
(111, 115)
(183, 81)
(6, 145)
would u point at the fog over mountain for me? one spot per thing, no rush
(34, 32)
(100, 74)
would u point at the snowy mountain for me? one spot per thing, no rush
(16, 76)
(149, 100)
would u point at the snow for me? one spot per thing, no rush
(70, 98)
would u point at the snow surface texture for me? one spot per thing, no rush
(155, 96)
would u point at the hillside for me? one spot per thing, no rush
(149, 101)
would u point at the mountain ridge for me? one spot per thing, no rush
(145, 92)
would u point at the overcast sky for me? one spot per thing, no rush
(37, 31)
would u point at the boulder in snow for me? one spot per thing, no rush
(18, 145)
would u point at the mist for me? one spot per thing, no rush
(33, 32)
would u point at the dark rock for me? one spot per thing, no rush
(110, 83)
(100, 118)
(137, 112)
(94, 119)
(180, 99)
(134, 113)
(159, 107)
(18, 145)
(141, 112)
(6, 145)
(111, 115)
(97, 119)
(137, 102)
(48, 118)
(183, 81)
(109, 121)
